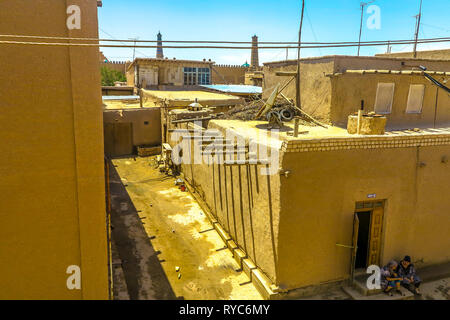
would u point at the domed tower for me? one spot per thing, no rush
(159, 50)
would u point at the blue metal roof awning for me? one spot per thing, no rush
(234, 88)
(109, 98)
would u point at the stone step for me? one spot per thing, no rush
(356, 295)
(361, 286)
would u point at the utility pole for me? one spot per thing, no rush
(389, 49)
(363, 5)
(418, 18)
(134, 49)
(297, 84)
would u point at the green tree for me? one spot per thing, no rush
(109, 76)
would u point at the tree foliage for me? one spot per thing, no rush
(109, 76)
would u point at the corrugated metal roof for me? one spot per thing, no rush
(234, 88)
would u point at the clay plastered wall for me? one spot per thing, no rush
(318, 203)
(343, 63)
(315, 87)
(432, 54)
(52, 189)
(117, 66)
(130, 74)
(246, 204)
(221, 74)
(143, 134)
(350, 89)
(170, 72)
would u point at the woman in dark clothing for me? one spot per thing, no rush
(407, 272)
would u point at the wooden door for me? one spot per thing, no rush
(123, 139)
(376, 226)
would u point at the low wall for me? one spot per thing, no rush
(146, 124)
(228, 74)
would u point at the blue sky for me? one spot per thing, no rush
(325, 21)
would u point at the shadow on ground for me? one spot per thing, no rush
(144, 275)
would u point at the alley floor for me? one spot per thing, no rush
(165, 244)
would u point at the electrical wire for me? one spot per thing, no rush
(206, 42)
(337, 45)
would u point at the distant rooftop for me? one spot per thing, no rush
(233, 88)
(138, 60)
(355, 58)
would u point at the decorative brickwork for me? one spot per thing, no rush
(393, 140)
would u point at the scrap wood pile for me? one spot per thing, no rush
(248, 111)
(276, 110)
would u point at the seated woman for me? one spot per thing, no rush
(407, 272)
(390, 279)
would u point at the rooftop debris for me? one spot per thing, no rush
(248, 111)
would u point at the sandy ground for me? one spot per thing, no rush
(159, 229)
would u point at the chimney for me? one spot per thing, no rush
(159, 49)
(255, 59)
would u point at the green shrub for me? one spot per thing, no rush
(110, 76)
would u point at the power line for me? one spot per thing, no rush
(436, 27)
(312, 29)
(192, 41)
(332, 45)
(114, 38)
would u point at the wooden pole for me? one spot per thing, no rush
(298, 97)
(297, 120)
(417, 29)
(360, 27)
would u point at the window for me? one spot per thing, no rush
(415, 98)
(203, 75)
(385, 97)
(190, 76)
(194, 76)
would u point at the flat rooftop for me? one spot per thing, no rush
(188, 95)
(254, 129)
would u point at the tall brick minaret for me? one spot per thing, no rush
(159, 50)
(254, 64)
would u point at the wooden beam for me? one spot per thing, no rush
(286, 73)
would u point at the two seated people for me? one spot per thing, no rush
(394, 274)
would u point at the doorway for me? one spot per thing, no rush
(118, 139)
(363, 239)
(367, 231)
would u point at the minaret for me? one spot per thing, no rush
(159, 50)
(255, 60)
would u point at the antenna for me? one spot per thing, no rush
(363, 4)
(418, 18)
